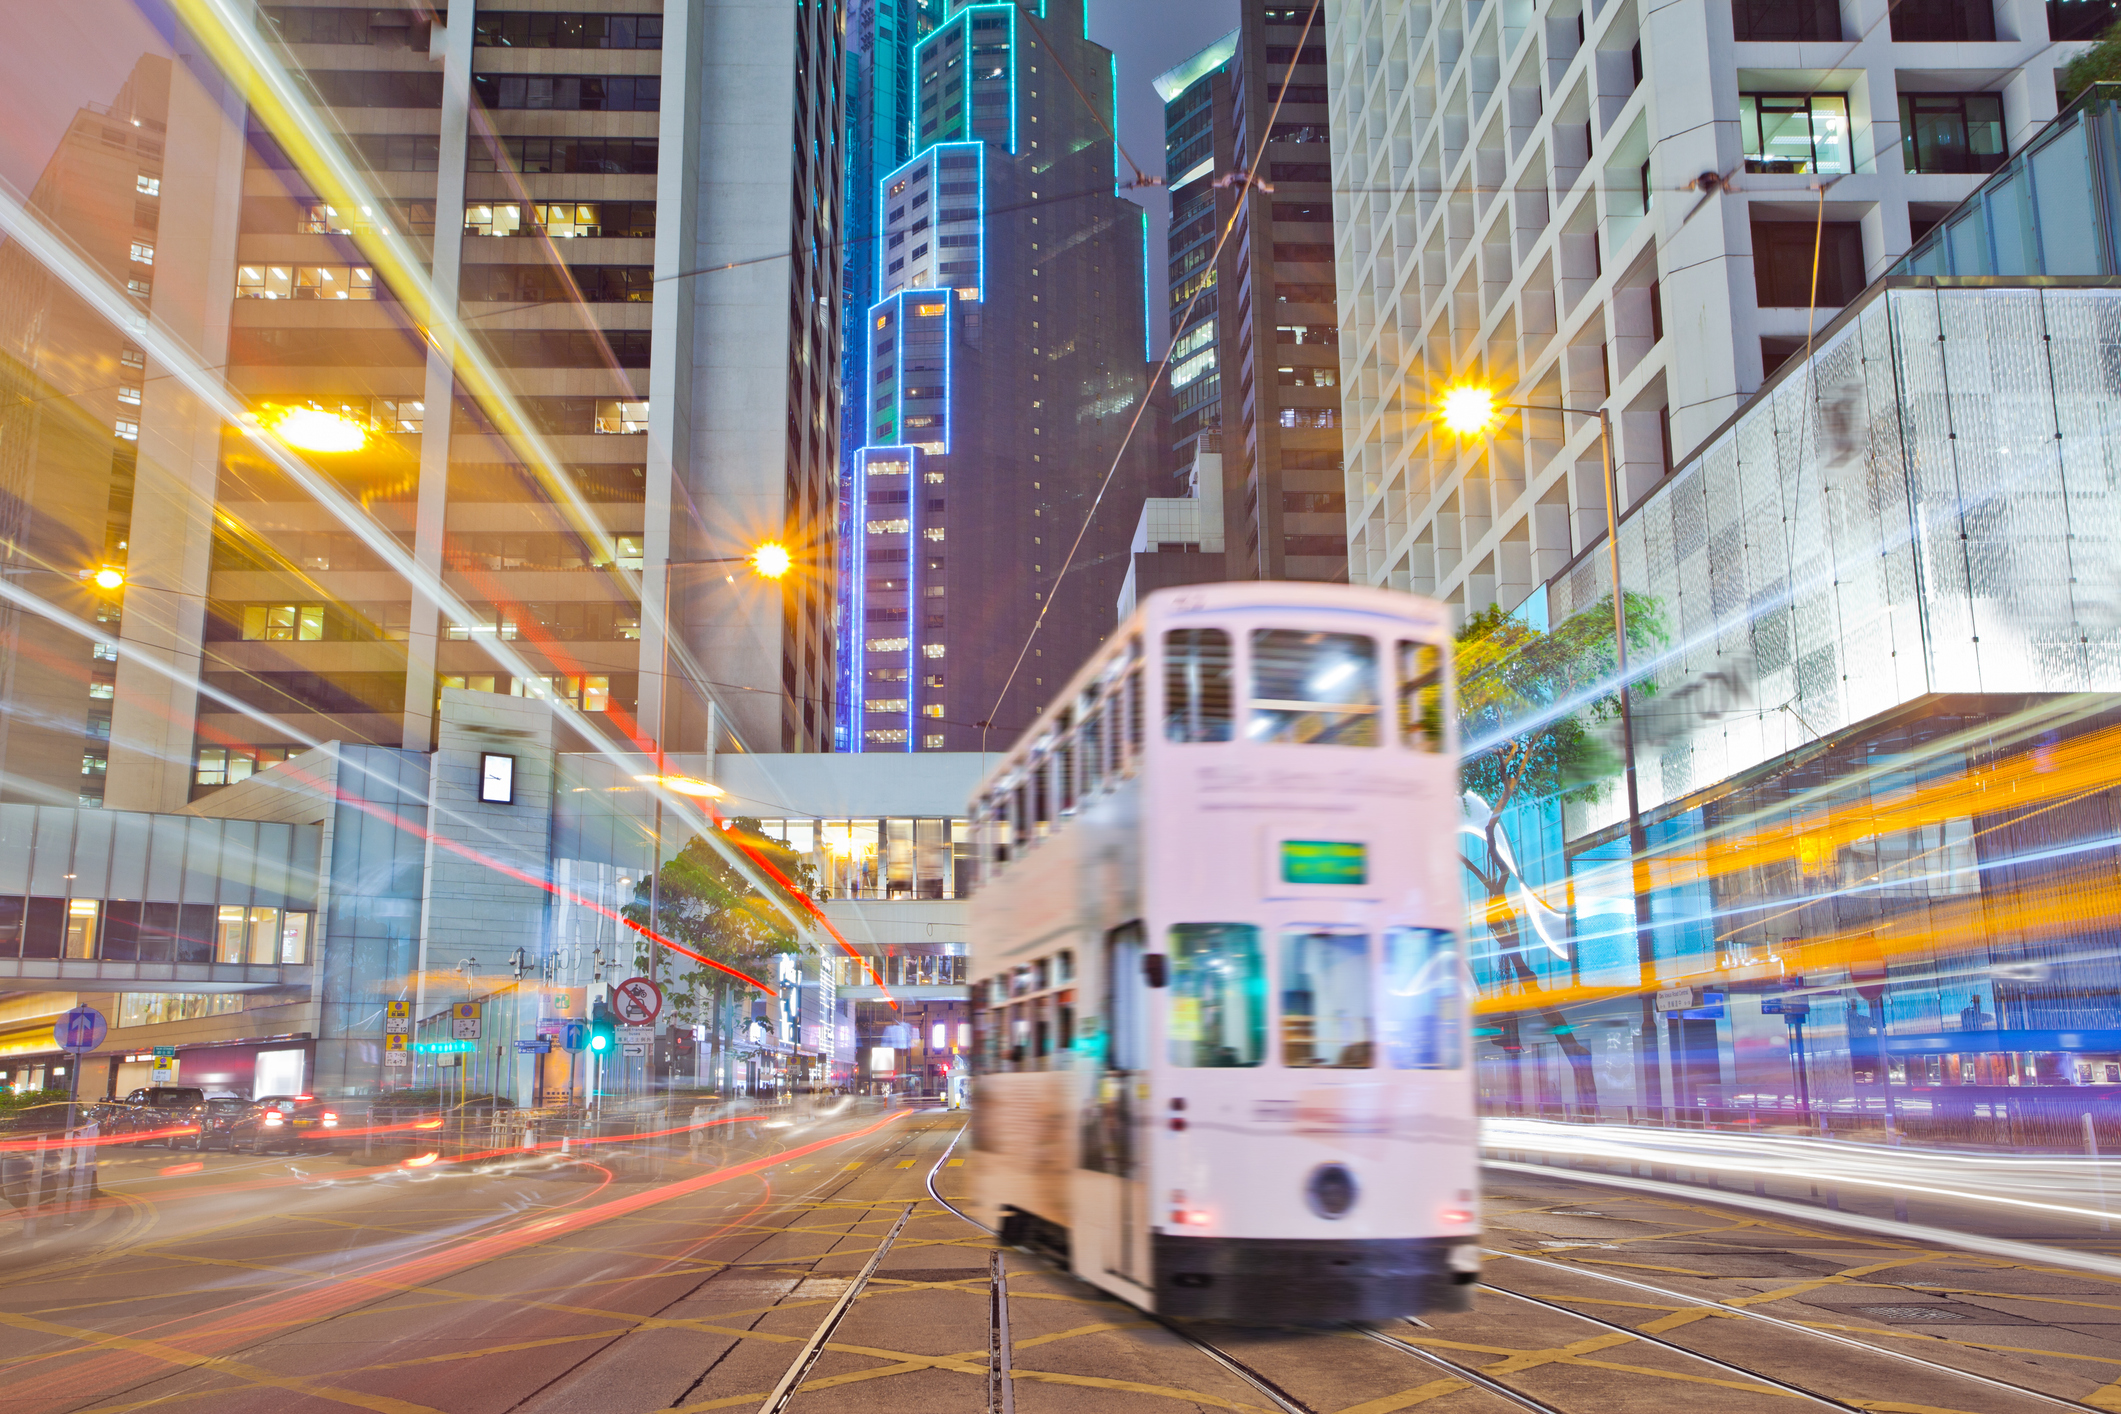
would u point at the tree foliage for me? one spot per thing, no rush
(1535, 706)
(708, 905)
(2099, 64)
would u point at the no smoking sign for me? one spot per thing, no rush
(637, 1001)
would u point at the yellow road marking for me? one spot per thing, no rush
(190, 1360)
(1408, 1398)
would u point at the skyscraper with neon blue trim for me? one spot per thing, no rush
(999, 367)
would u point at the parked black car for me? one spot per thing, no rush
(290, 1128)
(153, 1108)
(214, 1118)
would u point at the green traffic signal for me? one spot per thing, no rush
(603, 1031)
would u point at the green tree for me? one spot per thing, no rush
(707, 904)
(2099, 64)
(1543, 699)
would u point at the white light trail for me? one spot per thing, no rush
(2051, 1185)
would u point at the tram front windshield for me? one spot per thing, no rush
(1343, 1004)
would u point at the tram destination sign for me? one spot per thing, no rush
(1324, 862)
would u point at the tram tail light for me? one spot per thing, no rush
(1455, 1217)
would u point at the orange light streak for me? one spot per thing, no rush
(96, 1376)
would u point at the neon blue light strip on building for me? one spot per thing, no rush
(913, 592)
(1147, 357)
(1116, 174)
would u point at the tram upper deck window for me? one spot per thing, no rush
(1197, 688)
(1314, 688)
(1421, 696)
(1421, 999)
(1325, 1000)
(1218, 1016)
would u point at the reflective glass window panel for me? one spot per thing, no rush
(1420, 1005)
(1325, 1000)
(1421, 724)
(1313, 688)
(1197, 688)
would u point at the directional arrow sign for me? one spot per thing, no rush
(81, 1029)
(637, 1001)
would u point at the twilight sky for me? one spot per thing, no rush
(1150, 36)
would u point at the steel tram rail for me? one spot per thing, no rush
(1273, 1393)
(1800, 1391)
(2059, 1401)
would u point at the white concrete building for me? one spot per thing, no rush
(1619, 205)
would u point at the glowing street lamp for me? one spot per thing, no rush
(315, 430)
(771, 560)
(1468, 410)
(108, 578)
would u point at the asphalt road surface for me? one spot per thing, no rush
(725, 1270)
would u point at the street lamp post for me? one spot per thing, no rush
(1467, 410)
(769, 560)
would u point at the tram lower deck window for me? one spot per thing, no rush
(1325, 1000)
(1422, 1025)
(1218, 1013)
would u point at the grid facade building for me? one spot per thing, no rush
(512, 261)
(1618, 207)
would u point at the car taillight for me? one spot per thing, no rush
(274, 1117)
(330, 1118)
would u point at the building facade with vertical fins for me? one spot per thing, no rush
(1254, 366)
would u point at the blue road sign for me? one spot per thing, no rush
(535, 1048)
(81, 1029)
(574, 1036)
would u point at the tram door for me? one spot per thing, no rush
(1121, 1111)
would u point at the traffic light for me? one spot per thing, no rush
(684, 1046)
(603, 1031)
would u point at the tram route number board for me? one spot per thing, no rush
(637, 1001)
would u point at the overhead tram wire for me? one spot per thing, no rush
(1162, 368)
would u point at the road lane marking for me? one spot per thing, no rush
(190, 1360)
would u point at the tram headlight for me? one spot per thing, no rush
(1331, 1191)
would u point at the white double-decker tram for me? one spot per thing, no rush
(1218, 995)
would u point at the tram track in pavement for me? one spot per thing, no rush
(1860, 1354)
(191, 1347)
(1290, 1372)
(1901, 1356)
